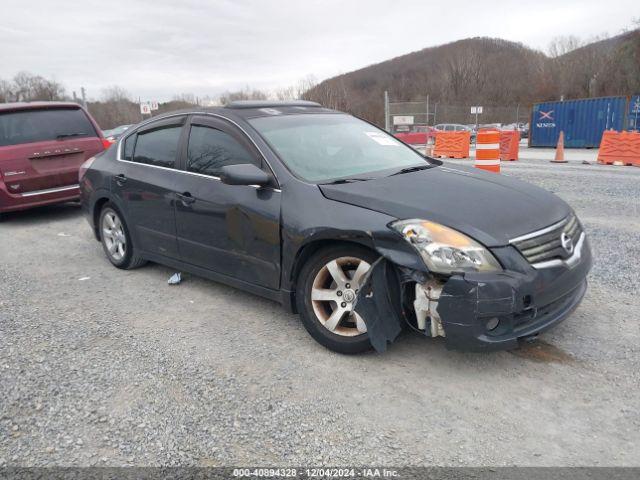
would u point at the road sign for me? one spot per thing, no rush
(476, 110)
(153, 104)
(403, 120)
(145, 109)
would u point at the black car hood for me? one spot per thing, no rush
(488, 207)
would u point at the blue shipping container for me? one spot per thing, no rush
(582, 121)
(633, 123)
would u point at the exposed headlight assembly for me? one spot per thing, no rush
(445, 250)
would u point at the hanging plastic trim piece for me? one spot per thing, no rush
(374, 303)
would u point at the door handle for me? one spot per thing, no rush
(186, 198)
(121, 179)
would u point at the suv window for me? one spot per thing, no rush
(211, 149)
(157, 147)
(28, 126)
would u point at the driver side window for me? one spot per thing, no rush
(211, 149)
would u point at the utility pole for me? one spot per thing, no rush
(84, 97)
(427, 109)
(386, 111)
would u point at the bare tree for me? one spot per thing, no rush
(28, 87)
(287, 93)
(562, 45)
(623, 67)
(245, 94)
(6, 92)
(186, 98)
(114, 108)
(115, 93)
(297, 91)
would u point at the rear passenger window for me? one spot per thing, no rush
(211, 149)
(157, 147)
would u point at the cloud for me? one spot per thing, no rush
(157, 48)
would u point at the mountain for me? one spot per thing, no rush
(488, 71)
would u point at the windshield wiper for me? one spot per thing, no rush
(411, 169)
(345, 180)
(66, 135)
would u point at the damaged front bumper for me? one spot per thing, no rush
(472, 311)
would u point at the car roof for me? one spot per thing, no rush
(248, 109)
(271, 104)
(5, 107)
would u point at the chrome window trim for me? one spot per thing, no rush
(538, 233)
(49, 190)
(123, 138)
(212, 177)
(570, 262)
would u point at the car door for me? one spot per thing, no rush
(146, 182)
(233, 230)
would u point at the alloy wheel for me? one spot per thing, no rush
(333, 294)
(114, 236)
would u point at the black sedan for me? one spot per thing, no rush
(340, 222)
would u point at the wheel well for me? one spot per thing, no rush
(97, 208)
(308, 250)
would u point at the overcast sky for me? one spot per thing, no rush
(157, 48)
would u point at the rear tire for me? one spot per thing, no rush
(325, 291)
(116, 239)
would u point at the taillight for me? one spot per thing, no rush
(84, 167)
(106, 143)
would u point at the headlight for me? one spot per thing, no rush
(445, 250)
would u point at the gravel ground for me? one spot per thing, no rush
(105, 367)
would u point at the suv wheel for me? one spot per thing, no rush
(116, 240)
(327, 287)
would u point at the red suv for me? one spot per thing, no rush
(42, 145)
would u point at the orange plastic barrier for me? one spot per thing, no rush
(619, 148)
(452, 144)
(488, 150)
(509, 145)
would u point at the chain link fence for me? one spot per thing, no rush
(411, 116)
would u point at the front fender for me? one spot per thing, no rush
(398, 251)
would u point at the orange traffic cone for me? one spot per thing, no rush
(559, 158)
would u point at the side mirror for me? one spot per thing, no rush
(243, 174)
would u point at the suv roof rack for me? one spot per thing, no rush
(271, 104)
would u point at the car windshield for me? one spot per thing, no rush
(323, 147)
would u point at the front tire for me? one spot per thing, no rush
(116, 239)
(327, 286)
